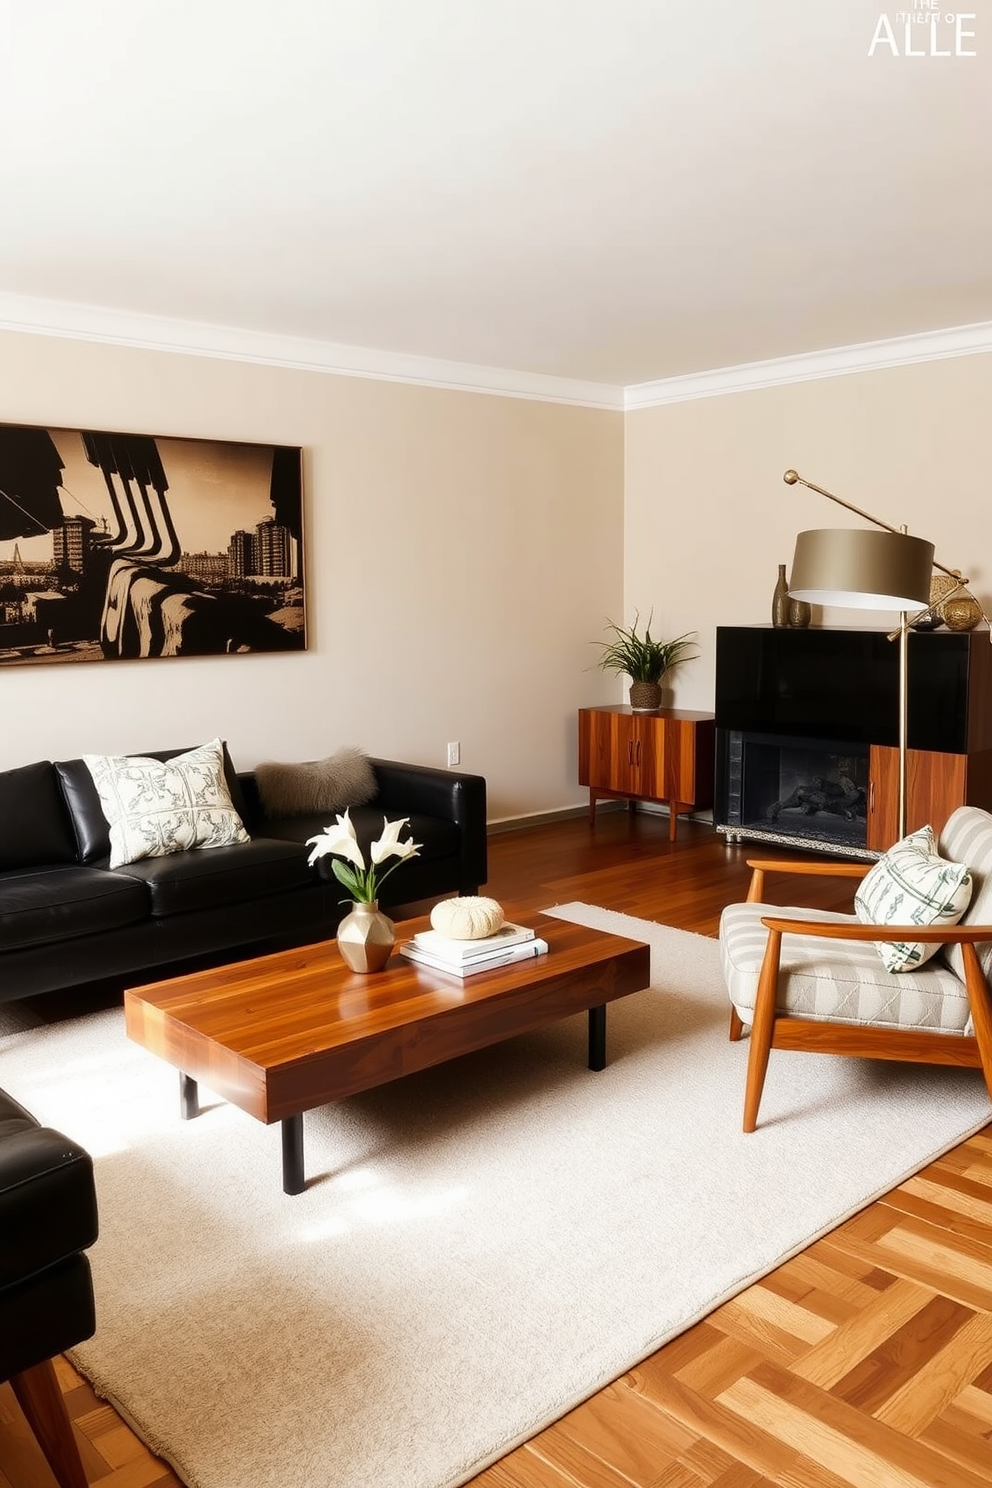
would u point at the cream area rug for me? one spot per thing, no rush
(481, 1246)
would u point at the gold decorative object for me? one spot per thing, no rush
(961, 612)
(800, 614)
(366, 937)
(958, 609)
(780, 600)
(942, 586)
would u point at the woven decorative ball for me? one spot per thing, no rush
(470, 918)
(961, 612)
(942, 587)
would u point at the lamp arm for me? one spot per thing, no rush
(793, 478)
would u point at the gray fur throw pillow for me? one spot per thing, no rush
(345, 778)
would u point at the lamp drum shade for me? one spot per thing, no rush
(863, 570)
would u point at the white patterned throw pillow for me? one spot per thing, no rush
(912, 885)
(157, 807)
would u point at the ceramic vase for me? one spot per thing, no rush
(780, 601)
(366, 938)
(800, 613)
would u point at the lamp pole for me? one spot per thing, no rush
(903, 718)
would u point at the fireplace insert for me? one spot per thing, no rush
(812, 790)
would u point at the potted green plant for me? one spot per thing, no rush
(644, 659)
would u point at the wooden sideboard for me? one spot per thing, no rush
(665, 756)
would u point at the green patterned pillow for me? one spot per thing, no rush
(157, 807)
(911, 885)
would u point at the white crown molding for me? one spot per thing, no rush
(41, 317)
(870, 356)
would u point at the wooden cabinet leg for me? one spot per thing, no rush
(38, 1394)
(592, 808)
(673, 817)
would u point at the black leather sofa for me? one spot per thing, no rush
(48, 1219)
(67, 919)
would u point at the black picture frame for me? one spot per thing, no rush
(122, 546)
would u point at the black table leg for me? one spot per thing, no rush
(189, 1100)
(293, 1181)
(597, 1037)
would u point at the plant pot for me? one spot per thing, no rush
(366, 938)
(645, 697)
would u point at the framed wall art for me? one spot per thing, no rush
(124, 546)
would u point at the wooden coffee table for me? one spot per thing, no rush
(287, 1032)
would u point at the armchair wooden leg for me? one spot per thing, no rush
(736, 1026)
(761, 1029)
(38, 1394)
(981, 1009)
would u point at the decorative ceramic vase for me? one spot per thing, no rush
(800, 613)
(366, 938)
(930, 621)
(645, 697)
(780, 601)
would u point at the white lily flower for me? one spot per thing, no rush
(339, 839)
(389, 845)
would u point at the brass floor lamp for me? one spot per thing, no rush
(860, 569)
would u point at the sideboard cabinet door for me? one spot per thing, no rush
(936, 785)
(608, 750)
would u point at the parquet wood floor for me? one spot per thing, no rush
(866, 1360)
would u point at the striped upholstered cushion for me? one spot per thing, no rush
(967, 838)
(834, 980)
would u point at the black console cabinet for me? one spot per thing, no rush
(807, 729)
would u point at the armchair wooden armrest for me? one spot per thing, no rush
(941, 934)
(760, 866)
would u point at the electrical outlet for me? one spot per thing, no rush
(454, 754)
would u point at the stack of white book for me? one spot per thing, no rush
(467, 957)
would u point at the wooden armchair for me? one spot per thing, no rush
(813, 980)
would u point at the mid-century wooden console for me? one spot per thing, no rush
(665, 755)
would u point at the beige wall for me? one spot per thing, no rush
(463, 551)
(709, 518)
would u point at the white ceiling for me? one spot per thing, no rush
(615, 191)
